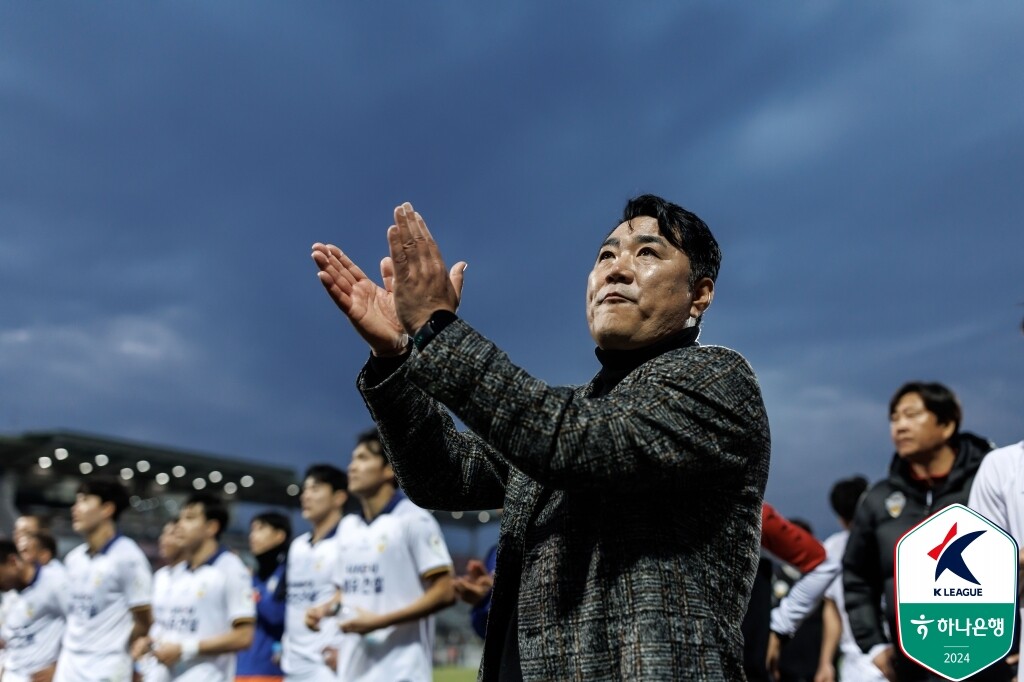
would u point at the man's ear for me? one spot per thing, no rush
(703, 294)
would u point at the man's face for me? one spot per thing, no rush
(25, 525)
(263, 537)
(169, 545)
(88, 512)
(29, 548)
(193, 528)
(638, 292)
(367, 472)
(319, 499)
(916, 430)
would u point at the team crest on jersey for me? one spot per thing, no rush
(382, 543)
(895, 503)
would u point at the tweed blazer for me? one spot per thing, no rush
(632, 521)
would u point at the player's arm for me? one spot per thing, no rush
(239, 637)
(439, 594)
(142, 621)
(314, 614)
(831, 630)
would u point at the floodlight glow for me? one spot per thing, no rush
(60, 453)
(178, 471)
(246, 481)
(199, 483)
(127, 474)
(85, 468)
(293, 490)
(162, 478)
(456, 515)
(230, 488)
(484, 517)
(142, 465)
(215, 477)
(45, 462)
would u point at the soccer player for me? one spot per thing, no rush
(110, 586)
(164, 602)
(312, 558)
(213, 615)
(33, 624)
(394, 573)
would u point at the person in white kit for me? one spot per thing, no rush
(164, 603)
(312, 558)
(395, 572)
(214, 613)
(110, 588)
(998, 495)
(34, 604)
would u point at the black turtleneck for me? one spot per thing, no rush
(268, 562)
(616, 364)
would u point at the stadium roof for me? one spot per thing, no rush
(46, 461)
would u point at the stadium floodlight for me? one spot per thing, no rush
(456, 515)
(483, 517)
(199, 483)
(246, 481)
(60, 453)
(162, 478)
(142, 465)
(178, 471)
(127, 474)
(293, 490)
(230, 488)
(215, 477)
(101, 460)
(45, 462)
(85, 467)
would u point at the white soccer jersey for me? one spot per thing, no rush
(204, 602)
(104, 587)
(381, 570)
(310, 582)
(34, 622)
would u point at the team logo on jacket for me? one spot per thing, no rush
(895, 503)
(956, 592)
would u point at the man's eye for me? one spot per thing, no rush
(605, 255)
(647, 251)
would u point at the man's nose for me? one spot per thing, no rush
(620, 269)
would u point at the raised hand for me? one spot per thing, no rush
(422, 284)
(369, 308)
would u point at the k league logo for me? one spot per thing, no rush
(956, 592)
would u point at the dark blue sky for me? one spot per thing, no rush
(166, 166)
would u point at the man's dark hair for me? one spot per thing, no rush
(845, 495)
(7, 548)
(213, 509)
(371, 439)
(329, 475)
(108, 490)
(275, 520)
(937, 399)
(46, 541)
(683, 230)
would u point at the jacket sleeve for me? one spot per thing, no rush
(437, 466)
(788, 541)
(695, 423)
(862, 581)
